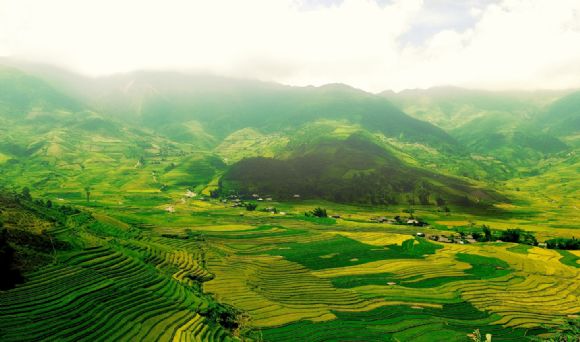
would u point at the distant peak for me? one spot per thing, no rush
(341, 87)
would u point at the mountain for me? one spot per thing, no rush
(187, 106)
(162, 132)
(452, 107)
(509, 127)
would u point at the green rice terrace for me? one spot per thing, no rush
(128, 214)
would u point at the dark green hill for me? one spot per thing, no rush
(350, 170)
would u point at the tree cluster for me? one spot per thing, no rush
(563, 243)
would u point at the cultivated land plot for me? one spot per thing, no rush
(292, 278)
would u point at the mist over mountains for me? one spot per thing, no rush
(416, 146)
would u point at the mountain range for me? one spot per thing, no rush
(160, 131)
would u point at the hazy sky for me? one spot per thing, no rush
(374, 45)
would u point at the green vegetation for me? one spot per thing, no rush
(341, 251)
(167, 206)
(569, 259)
(317, 212)
(568, 330)
(354, 170)
(387, 324)
(251, 206)
(484, 267)
(563, 243)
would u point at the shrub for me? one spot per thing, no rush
(251, 206)
(319, 212)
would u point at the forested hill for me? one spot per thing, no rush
(352, 170)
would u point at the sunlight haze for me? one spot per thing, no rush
(373, 45)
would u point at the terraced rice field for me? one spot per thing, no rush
(330, 285)
(123, 290)
(148, 275)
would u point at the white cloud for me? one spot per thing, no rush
(515, 43)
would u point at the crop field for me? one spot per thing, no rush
(321, 284)
(137, 271)
(146, 273)
(117, 285)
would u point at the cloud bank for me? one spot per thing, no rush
(373, 45)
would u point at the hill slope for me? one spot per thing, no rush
(350, 170)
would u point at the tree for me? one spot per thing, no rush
(511, 235)
(440, 201)
(564, 243)
(528, 239)
(88, 193)
(48, 203)
(251, 206)
(319, 212)
(476, 236)
(487, 233)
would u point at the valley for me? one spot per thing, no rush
(165, 206)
